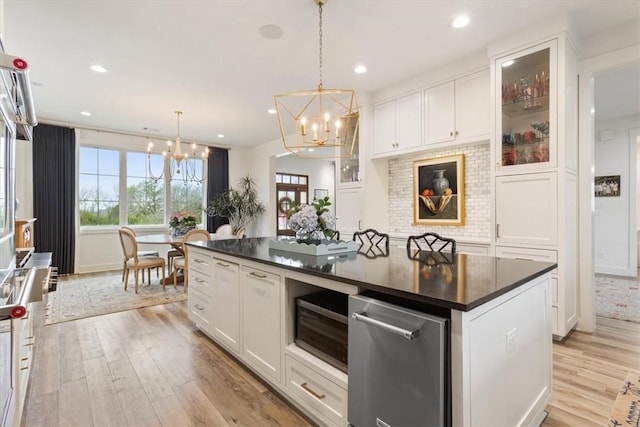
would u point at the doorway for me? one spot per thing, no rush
(291, 190)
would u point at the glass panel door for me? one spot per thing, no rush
(526, 110)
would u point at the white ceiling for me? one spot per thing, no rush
(208, 59)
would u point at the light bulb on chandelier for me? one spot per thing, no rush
(179, 164)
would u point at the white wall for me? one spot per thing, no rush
(321, 174)
(615, 217)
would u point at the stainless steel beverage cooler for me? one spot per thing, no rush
(397, 365)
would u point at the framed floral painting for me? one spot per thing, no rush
(438, 191)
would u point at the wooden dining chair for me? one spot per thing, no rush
(134, 262)
(140, 254)
(181, 263)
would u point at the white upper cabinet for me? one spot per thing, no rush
(458, 110)
(526, 116)
(397, 125)
(473, 106)
(440, 102)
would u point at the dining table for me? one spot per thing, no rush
(166, 239)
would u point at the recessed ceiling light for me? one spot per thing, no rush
(270, 31)
(508, 63)
(460, 21)
(360, 69)
(271, 111)
(98, 68)
(220, 136)
(85, 113)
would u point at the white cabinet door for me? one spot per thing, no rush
(397, 125)
(384, 128)
(409, 122)
(440, 106)
(226, 303)
(472, 99)
(527, 209)
(261, 321)
(349, 211)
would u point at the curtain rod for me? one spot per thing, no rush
(74, 126)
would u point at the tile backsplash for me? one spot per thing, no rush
(477, 194)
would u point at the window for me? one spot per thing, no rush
(115, 188)
(99, 186)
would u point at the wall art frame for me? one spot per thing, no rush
(607, 186)
(438, 191)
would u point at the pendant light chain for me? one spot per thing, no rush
(178, 113)
(320, 44)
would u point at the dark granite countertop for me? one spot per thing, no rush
(461, 282)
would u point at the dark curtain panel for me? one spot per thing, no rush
(54, 178)
(217, 182)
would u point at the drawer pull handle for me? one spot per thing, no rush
(261, 276)
(199, 261)
(24, 369)
(199, 280)
(222, 264)
(199, 307)
(308, 390)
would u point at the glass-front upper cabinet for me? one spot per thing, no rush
(526, 102)
(349, 166)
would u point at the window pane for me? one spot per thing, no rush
(294, 179)
(98, 183)
(108, 162)
(303, 198)
(88, 161)
(303, 180)
(278, 178)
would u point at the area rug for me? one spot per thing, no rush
(618, 298)
(626, 409)
(88, 295)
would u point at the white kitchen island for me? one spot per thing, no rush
(499, 355)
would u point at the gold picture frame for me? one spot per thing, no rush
(438, 191)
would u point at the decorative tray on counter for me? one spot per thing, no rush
(326, 247)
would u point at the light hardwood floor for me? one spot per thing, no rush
(152, 367)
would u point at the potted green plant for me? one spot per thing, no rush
(239, 205)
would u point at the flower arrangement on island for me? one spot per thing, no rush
(182, 222)
(312, 222)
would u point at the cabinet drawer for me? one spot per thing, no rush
(200, 261)
(321, 396)
(200, 282)
(527, 253)
(200, 309)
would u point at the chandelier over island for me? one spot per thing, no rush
(180, 165)
(320, 123)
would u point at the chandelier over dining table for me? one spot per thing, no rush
(320, 123)
(180, 165)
